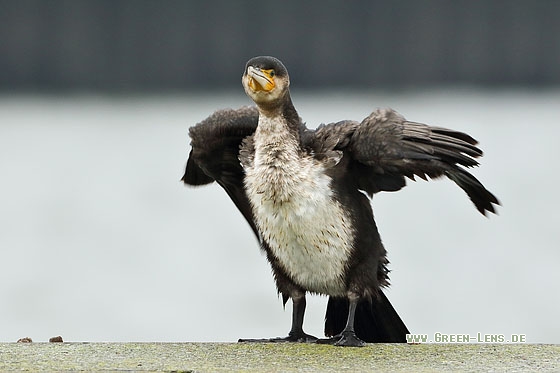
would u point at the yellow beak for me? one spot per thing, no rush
(260, 80)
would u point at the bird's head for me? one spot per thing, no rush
(266, 82)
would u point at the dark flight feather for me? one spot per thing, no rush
(215, 154)
(384, 148)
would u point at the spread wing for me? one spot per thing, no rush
(385, 148)
(215, 154)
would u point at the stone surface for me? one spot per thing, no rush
(231, 357)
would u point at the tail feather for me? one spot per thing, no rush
(375, 321)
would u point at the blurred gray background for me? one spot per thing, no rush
(100, 241)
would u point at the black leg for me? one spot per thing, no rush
(348, 336)
(296, 333)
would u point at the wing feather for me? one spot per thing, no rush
(215, 154)
(385, 148)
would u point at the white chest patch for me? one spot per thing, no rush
(306, 228)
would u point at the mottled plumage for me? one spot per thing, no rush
(303, 193)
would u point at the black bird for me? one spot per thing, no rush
(306, 195)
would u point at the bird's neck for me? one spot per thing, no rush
(277, 137)
(282, 118)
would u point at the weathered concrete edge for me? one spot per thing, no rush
(226, 357)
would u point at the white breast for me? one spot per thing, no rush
(306, 228)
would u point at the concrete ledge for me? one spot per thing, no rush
(231, 357)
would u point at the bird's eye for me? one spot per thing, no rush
(271, 73)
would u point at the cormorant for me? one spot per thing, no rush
(306, 195)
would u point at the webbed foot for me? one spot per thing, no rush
(292, 337)
(347, 339)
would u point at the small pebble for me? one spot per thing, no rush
(56, 339)
(25, 340)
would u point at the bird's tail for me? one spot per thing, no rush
(375, 321)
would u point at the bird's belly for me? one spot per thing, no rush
(307, 230)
